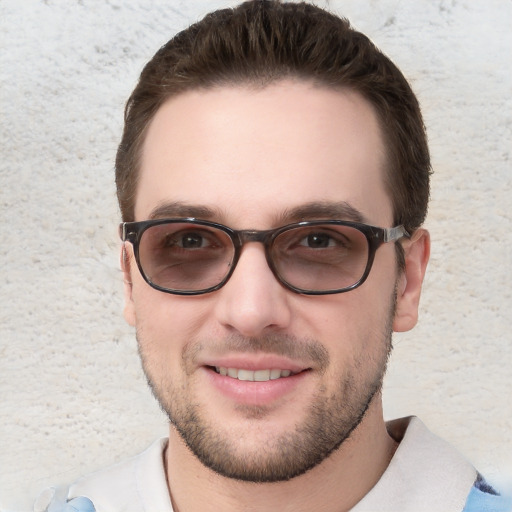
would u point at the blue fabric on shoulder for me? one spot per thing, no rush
(483, 498)
(80, 504)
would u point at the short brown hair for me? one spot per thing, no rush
(262, 41)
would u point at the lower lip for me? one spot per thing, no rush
(255, 393)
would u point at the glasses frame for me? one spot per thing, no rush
(132, 232)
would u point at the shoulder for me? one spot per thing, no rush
(425, 473)
(136, 484)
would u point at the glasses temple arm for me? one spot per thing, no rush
(393, 234)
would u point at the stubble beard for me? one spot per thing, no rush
(329, 421)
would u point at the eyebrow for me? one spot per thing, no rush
(320, 210)
(316, 210)
(183, 210)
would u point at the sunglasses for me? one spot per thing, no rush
(187, 256)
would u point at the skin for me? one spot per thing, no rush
(247, 158)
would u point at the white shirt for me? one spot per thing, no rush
(426, 474)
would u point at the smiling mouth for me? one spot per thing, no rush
(253, 375)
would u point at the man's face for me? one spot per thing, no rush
(258, 159)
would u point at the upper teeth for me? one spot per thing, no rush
(255, 376)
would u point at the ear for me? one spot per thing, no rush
(129, 306)
(417, 253)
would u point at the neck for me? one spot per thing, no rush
(335, 485)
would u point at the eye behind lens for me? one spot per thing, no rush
(320, 258)
(183, 257)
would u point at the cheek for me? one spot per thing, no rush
(338, 316)
(165, 320)
(353, 325)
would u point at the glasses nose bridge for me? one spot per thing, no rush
(254, 235)
(264, 237)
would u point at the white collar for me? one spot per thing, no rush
(425, 474)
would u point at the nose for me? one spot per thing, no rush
(253, 302)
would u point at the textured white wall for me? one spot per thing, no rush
(72, 394)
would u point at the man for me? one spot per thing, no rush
(273, 178)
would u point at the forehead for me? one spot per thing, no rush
(250, 154)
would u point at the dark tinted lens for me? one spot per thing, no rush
(185, 256)
(321, 258)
